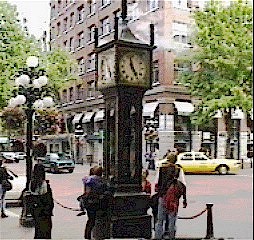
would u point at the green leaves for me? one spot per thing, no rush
(224, 45)
(16, 45)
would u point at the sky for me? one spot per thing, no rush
(37, 13)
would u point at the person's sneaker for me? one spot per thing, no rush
(3, 215)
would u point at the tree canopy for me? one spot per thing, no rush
(16, 45)
(222, 56)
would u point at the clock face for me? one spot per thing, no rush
(133, 67)
(106, 69)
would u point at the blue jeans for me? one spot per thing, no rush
(162, 215)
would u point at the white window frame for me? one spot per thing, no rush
(92, 7)
(91, 62)
(81, 64)
(80, 13)
(105, 26)
(153, 4)
(91, 31)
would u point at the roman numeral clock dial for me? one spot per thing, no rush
(132, 68)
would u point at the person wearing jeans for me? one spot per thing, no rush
(161, 218)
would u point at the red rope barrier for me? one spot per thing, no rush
(195, 216)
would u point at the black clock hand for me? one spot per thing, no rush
(132, 67)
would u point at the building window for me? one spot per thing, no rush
(81, 64)
(64, 96)
(71, 94)
(178, 69)
(58, 28)
(71, 19)
(179, 4)
(81, 39)
(152, 4)
(105, 2)
(91, 31)
(79, 92)
(156, 72)
(53, 12)
(65, 21)
(59, 6)
(80, 15)
(52, 33)
(92, 6)
(181, 39)
(71, 44)
(105, 26)
(91, 89)
(91, 62)
(65, 45)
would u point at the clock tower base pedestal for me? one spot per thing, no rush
(129, 216)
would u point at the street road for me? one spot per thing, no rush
(232, 196)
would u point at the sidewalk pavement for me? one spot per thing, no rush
(11, 229)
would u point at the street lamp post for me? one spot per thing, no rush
(32, 95)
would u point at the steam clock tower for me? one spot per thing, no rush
(123, 76)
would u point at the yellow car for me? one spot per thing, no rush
(198, 162)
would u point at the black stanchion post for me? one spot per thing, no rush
(209, 228)
(242, 163)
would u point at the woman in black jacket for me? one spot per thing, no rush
(43, 203)
(3, 176)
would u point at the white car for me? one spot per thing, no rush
(9, 157)
(20, 155)
(18, 185)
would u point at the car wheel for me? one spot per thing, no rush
(223, 170)
(53, 169)
(70, 170)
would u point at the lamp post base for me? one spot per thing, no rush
(26, 218)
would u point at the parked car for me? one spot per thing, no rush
(55, 162)
(198, 162)
(20, 155)
(9, 157)
(18, 185)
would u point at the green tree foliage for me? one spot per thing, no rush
(16, 45)
(223, 52)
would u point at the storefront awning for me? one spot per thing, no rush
(87, 117)
(99, 116)
(77, 118)
(149, 109)
(184, 108)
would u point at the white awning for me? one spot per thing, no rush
(149, 109)
(87, 117)
(77, 118)
(184, 108)
(4, 140)
(99, 116)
